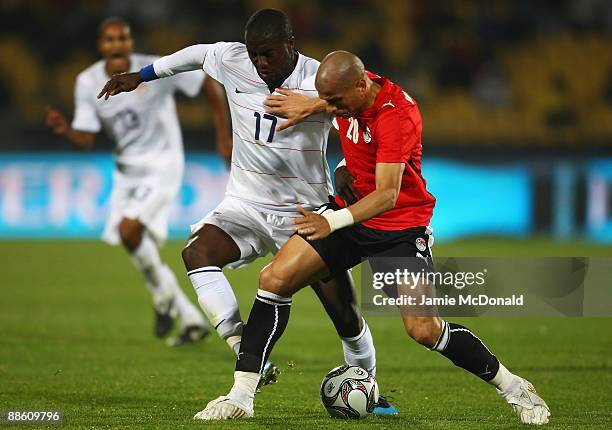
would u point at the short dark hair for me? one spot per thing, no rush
(112, 20)
(266, 24)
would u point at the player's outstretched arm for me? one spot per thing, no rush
(185, 60)
(383, 198)
(293, 106)
(58, 123)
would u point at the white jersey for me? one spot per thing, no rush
(271, 169)
(143, 123)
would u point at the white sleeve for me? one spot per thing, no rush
(85, 116)
(189, 83)
(213, 64)
(185, 60)
(341, 164)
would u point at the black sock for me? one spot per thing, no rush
(267, 321)
(464, 349)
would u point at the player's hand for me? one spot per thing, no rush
(311, 225)
(293, 106)
(56, 121)
(344, 186)
(224, 148)
(123, 82)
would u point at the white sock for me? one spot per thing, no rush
(360, 351)
(218, 302)
(187, 312)
(147, 260)
(244, 388)
(504, 380)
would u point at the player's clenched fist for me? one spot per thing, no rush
(56, 121)
(312, 225)
(121, 83)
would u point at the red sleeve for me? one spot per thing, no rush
(395, 135)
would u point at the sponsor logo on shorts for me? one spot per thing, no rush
(421, 256)
(420, 244)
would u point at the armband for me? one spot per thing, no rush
(147, 73)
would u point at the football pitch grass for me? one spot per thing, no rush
(76, 336)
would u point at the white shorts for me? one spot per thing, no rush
(256, 231)
(145, 198)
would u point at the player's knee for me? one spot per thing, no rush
(423, 331)
(130, 232)
(209, 248)
(196, 254)
(189, 255)
(272, 280)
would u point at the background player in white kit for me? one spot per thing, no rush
(272, 172)
(149, 163)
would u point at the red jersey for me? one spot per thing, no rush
(388, 132)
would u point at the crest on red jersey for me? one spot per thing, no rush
(367, 136)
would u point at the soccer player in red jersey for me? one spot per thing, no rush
(380, 130)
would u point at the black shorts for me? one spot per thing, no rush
(347, 247)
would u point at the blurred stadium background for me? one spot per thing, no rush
(516, 98)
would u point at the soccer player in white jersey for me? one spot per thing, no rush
(272, 172)
(149, 163)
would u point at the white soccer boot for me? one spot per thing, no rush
(526, 403)
(224, 408)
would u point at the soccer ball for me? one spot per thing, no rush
(349, 392)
